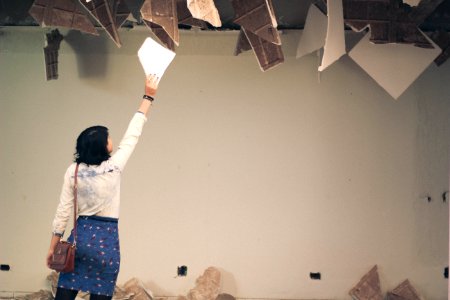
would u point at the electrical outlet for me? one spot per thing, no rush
(5, 267)
(182, 271)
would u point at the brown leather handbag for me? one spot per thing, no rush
(63, 259)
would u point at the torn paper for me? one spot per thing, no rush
(164, 14)
(335, 41)
(315, 32)
(205, 10)
(368, 288)
(393, 66)
(64, 13)
(154, 58)
(258, 17)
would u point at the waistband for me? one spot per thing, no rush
(98, 218)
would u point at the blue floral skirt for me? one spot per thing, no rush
(97, 257)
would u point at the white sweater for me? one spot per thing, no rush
(98, 186)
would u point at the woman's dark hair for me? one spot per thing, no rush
(92, 146)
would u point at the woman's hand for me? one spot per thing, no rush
(49, 257)
(151, 85)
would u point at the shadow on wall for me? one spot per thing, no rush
(91, 53)
(228, 282)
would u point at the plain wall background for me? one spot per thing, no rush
(267, 176)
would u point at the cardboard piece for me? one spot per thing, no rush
(164, 14)
(442, 39)
(390, 21)
(185, 17)
(393, 66)
(205, 10)
(53, 40)
(315, 32)
(404, 291)
(161, 34)
(121, 12)
(62, 13)
(103, 12)
(269, 55)
(154, 58)
(335, 41)
(368, 288)
(257, 17)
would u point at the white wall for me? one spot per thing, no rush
(267, 176)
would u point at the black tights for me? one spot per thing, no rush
(66, 294)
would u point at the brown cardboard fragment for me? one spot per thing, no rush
(62, 13)
(441, 36)
(121, 12)
(404, 291)
(164, 14)
(185, 17)
(103, 12)
(269, 55)
(53, 40)
(161, 34)
(390, 21)
(257, 17)
(205, 10)
(442, 39)
(368, 288)
(206, 286)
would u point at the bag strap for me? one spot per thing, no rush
(75, 192)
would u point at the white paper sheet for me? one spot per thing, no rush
(315, 32)
(154, 58)
(393, 66)
(335, 41)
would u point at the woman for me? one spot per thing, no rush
(97, 258)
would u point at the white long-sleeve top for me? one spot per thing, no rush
(98, 185)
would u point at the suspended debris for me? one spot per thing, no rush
(161, 34)
(442, 39)
(205, 10)
(368, 287)
(121, 12)
(164, 14)
(103, 12)
(315, 32)
(439, 20)
(257, 17)
(390, 21)
(268, 54)
(62, 13)
(335, 41)
(393, 66)
(53, 40)
(185, 17)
